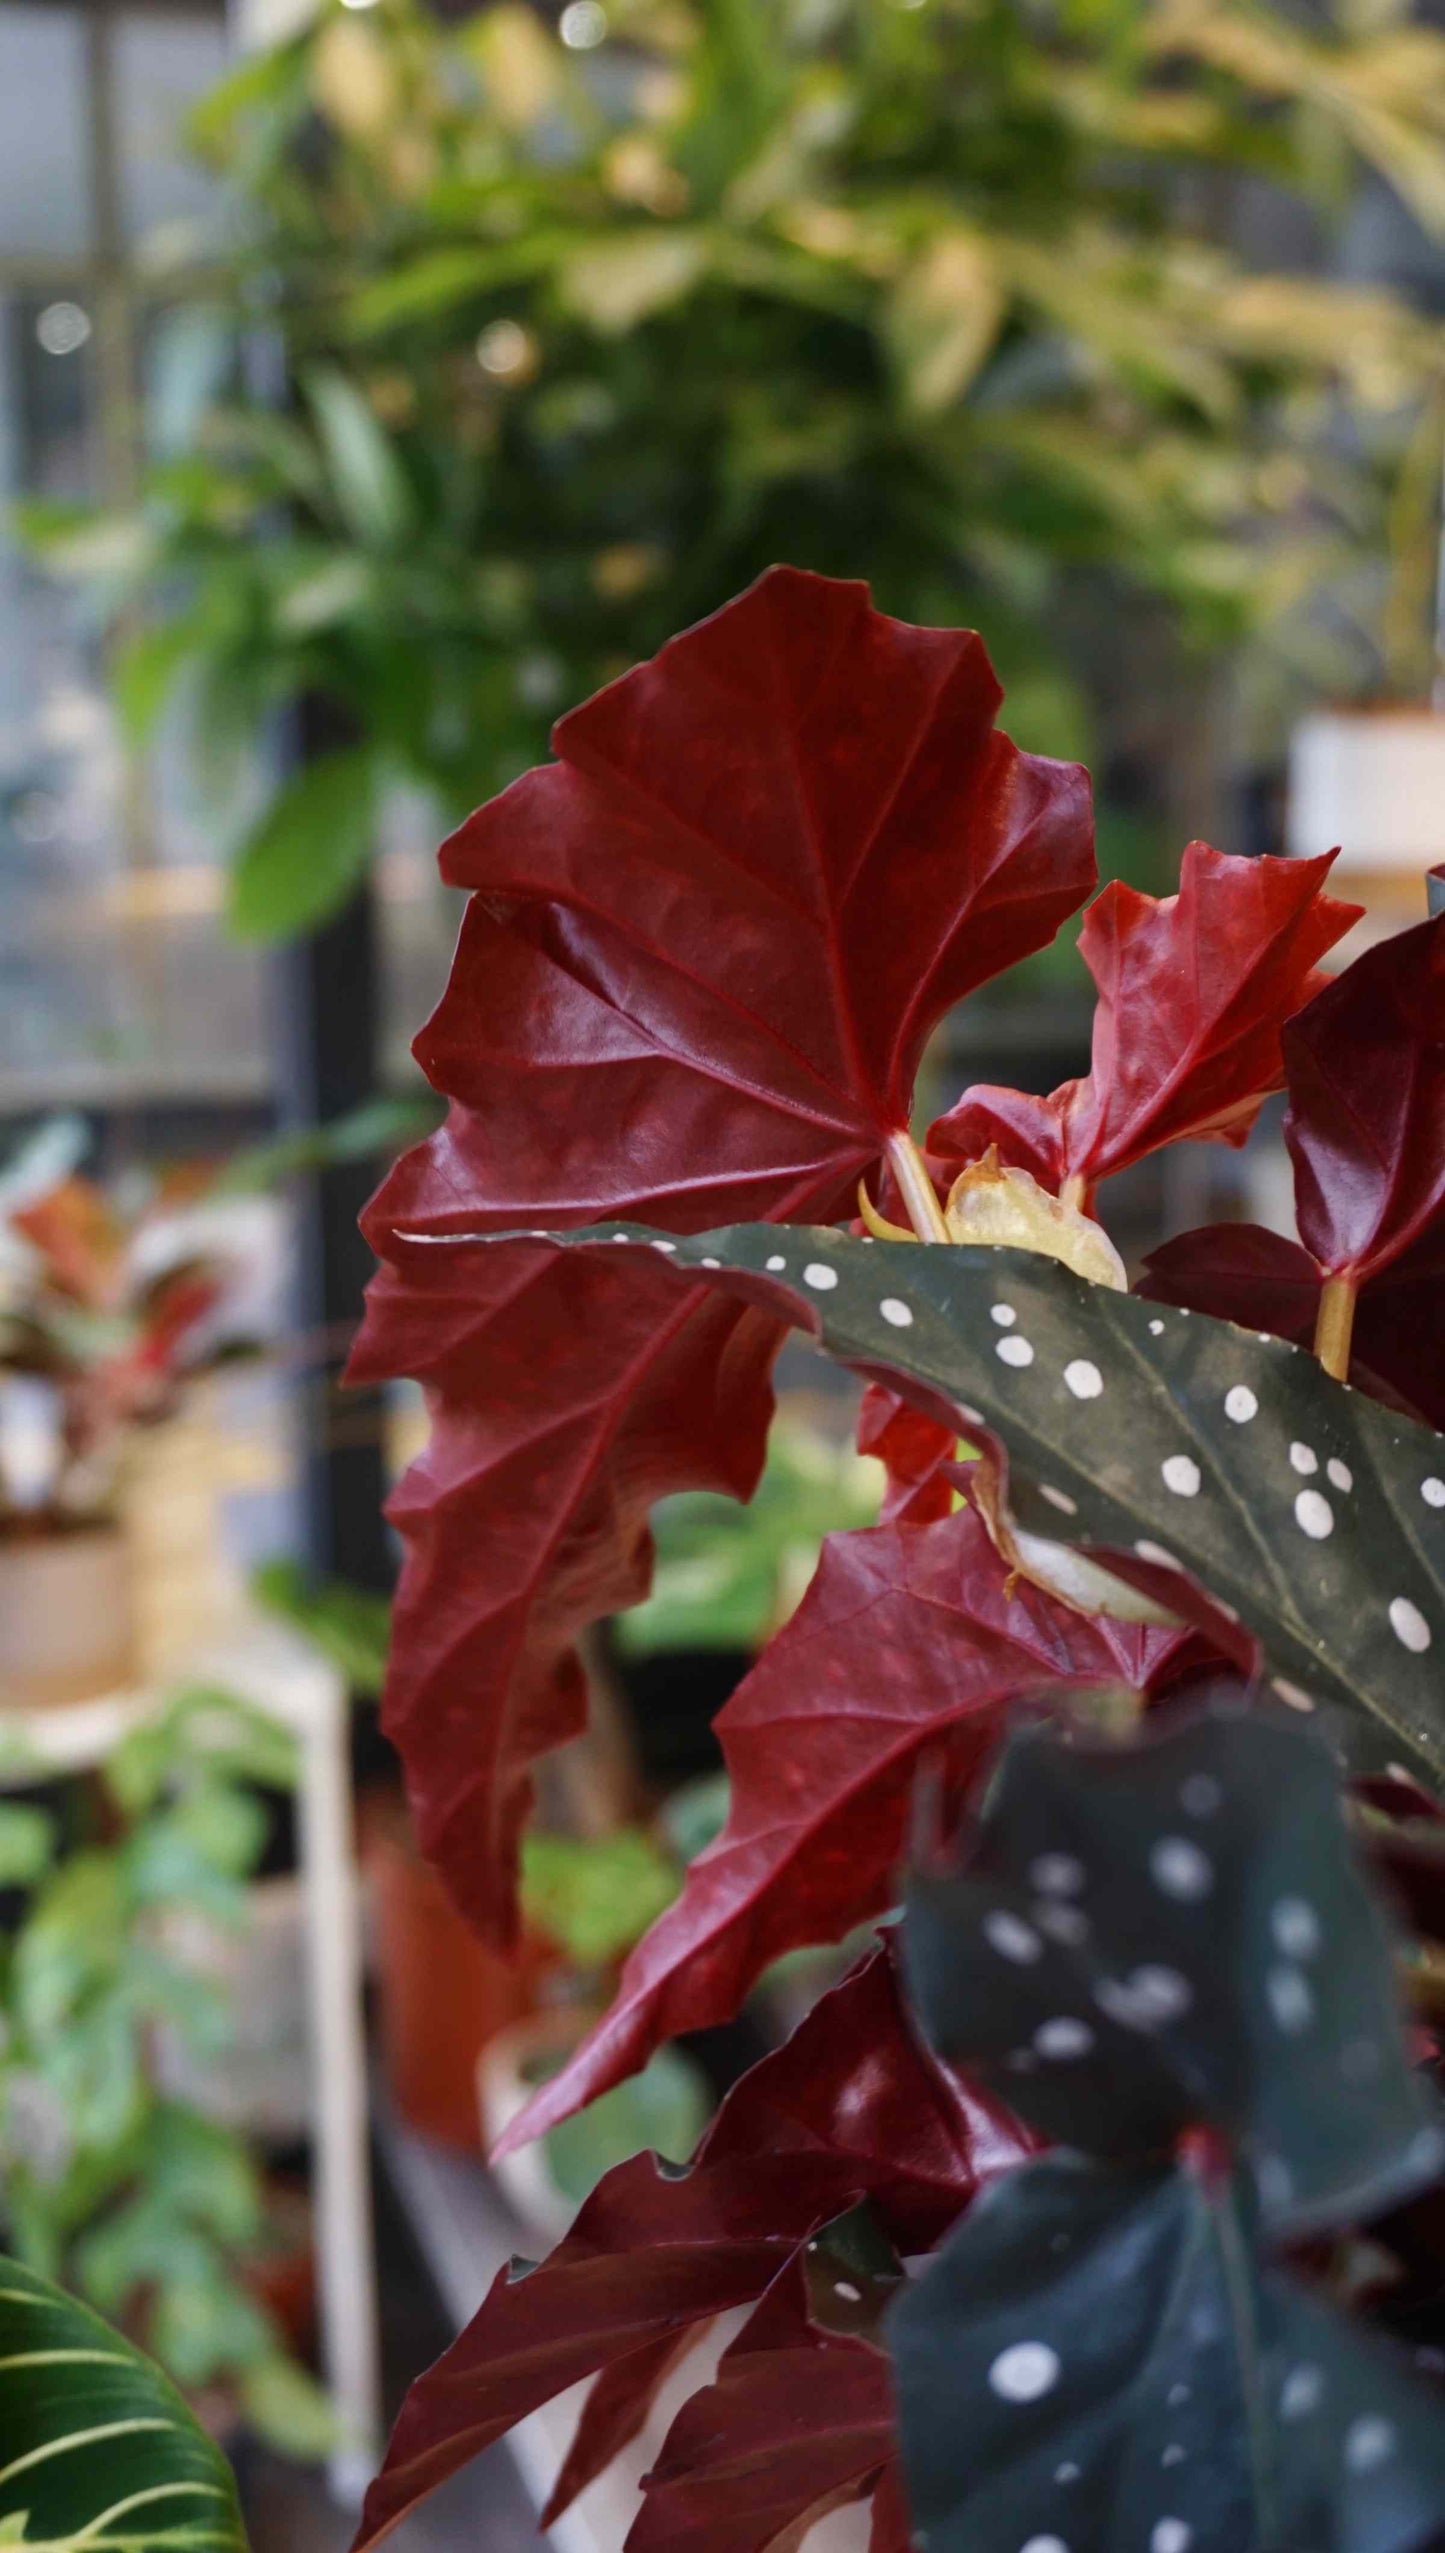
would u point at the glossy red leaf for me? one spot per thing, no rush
(913, 1450)
(1366, 1119)
(849, 2108)
(796, 2422)
(1194, 990)
(823, 1760)
(704, 950)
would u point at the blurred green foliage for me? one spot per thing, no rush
(939, 292)
(130, 2196)
(726, 1574)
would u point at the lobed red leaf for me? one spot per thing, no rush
(704, 951)
(823, 1763)
(796, 2422)
(850, 2107)
(1194, 991)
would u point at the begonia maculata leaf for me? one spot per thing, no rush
(850, 2107)
(1139, 1940)
(1099, 2357)
(823, 1751)
(703, 953)
(1175, 1449)
(1194, 990)
(1241, 1272)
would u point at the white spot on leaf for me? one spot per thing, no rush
(1304, 1458)
(1015, 1351)
(1011, 1937)
(1059, 1498)
(1083, 1379)
(821, 1277)
(1181, 1869)
(1057, 1874)
(1339, 1474)
(1181, 1474)
(1303, 2391)
(1063, 2037)
(1291, 1999)
(1314, 1515)
(1240, 1403)
(1433, 1491)
(897, 1314)
(1004, 1314)
(1025, 2371)
(1296, 1928)
(775, 1265)
(1409, 1625)
(1369, 2443)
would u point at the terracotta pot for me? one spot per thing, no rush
(67, 1629)
(442, 1996)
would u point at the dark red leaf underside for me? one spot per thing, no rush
(1194, 990)
(567, 1396)
(796, 2422)
(849, 2108)
(911, 1643)
(703, 953)
(1366, 1121)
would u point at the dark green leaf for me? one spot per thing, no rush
(1314, 1514)
(1148, 1936)
(96, 2446)
(1097, 2361)
(301, 860)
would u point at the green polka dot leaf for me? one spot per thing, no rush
(1101, 2358)
(1159, 1438)
(1139, 1941)
(97, 2448)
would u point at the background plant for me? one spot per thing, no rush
(582, 337)
(108, 2180)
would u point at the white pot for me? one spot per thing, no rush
(260, 2082)
(506, 2081)
(1372, 783)
(67, 1629)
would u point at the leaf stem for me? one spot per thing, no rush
(916, 1188)
(1334, 1325)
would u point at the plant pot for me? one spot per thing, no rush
(442, 1995)
(67, 1629)
(1371, 781)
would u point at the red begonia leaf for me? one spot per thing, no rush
(1194, 990)
(850, 2107)
(912, 1450)
(822, 1762)
(704, 950)
(1366, 1119)
(564, 1403)
(892, 2529)
(1239, 1272)
(797, 2421)
(617, 2404)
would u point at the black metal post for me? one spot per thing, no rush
(329, 1061)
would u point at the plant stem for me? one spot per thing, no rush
(916, 1188)
(1075, 1193)
(1334, 1325)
